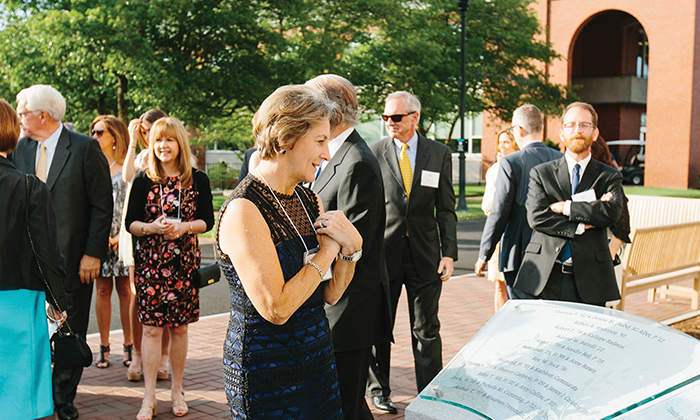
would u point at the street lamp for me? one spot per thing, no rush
(462, 202)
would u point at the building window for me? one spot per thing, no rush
(643, 56)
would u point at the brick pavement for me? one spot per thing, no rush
(466, 305)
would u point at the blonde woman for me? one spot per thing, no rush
(170, 203)
(506, 145)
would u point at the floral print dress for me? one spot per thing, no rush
(164, 268)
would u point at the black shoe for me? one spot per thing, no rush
(384, 404)
(67, 412)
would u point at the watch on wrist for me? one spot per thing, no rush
(351, 258)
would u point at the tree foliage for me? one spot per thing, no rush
(212, 62)
(419, 49)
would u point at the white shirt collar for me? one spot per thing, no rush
(52, 140)
(338, 141)
(570, 163)
(412, 143)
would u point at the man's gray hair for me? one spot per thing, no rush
(529, 118)
(44, 98)
(412, 103)
(340, 91)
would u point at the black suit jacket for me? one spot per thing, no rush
(352, 182)
(507, 221)
(81, 194)
(593, 267)
(428, 216)
(18, 266)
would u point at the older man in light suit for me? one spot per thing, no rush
(351, 181)
(420, 236)
(77, 175)
(507, 221)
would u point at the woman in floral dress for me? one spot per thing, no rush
(170, 203)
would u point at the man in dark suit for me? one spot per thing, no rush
(77, 175)
(507, 221)
(352, 182)
(571, 203)
(420, 236)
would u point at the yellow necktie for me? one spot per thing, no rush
(41, 166)
(405, 166)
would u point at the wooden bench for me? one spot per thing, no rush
(660, 256)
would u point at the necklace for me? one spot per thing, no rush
(285, 211)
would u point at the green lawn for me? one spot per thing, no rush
(662, 192)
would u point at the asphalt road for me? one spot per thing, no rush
(215, 299)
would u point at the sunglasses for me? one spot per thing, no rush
(98, 132)
(396, 118)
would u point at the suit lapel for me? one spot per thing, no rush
(30, 157)
(331, 167)
(589, 176)
(389, 155)
(563, 179)
(421, 159)
(60, 157)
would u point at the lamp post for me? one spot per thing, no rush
(462, 202)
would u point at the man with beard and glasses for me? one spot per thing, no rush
(571, 202)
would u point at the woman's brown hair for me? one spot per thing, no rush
(118, 129)
(9, 127)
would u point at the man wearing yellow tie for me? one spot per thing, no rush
(420, 238)
(77, 176)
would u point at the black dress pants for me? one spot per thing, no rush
(65, 381)
(353, 367)
(423, 300)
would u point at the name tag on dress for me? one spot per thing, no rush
(429, 179)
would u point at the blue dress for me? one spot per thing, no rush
(25, 355)
(279, 371)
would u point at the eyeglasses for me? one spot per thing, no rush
(99, 133)
(396, 118)
(571, 126)
(24, 114)
(511, 128)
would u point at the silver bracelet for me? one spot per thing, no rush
(314, 265)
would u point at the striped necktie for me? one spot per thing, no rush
(406, 172)
(41, 165)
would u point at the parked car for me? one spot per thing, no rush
(630, 155)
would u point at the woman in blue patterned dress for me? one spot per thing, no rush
(275, 243)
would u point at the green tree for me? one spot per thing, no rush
(199, 60)
(418, 49)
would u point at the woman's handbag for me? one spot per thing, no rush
(70, 350)
(207, 275)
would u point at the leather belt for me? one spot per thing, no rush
(565, 268)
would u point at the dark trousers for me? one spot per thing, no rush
(353, 367)
(65, 381)
(423, 299)
(560, 286)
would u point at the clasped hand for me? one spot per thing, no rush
(169, 230)
(334, 229)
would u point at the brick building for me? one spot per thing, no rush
(638, 63)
